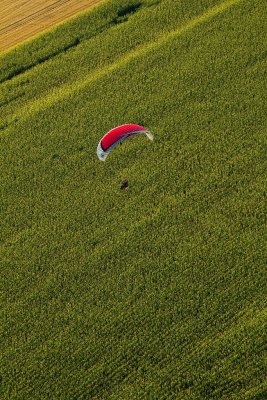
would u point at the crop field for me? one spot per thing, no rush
(158, 291)
(20, 19)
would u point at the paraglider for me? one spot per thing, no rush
(117, 135)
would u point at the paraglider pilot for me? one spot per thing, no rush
(124, 184)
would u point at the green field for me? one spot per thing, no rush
(158, 291)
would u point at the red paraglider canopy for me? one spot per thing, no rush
(118, 135)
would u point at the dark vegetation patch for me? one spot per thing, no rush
(121, 16)
(260, 396)
(125, 12)
(130, 9)
(3, 126)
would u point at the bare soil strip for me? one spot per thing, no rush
(22, 19)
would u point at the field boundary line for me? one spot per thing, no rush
(74, 88)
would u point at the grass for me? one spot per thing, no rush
(157, 292)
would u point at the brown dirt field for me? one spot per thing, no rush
(21, 19)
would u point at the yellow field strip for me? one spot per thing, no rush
(22, 19)
(73, 88)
